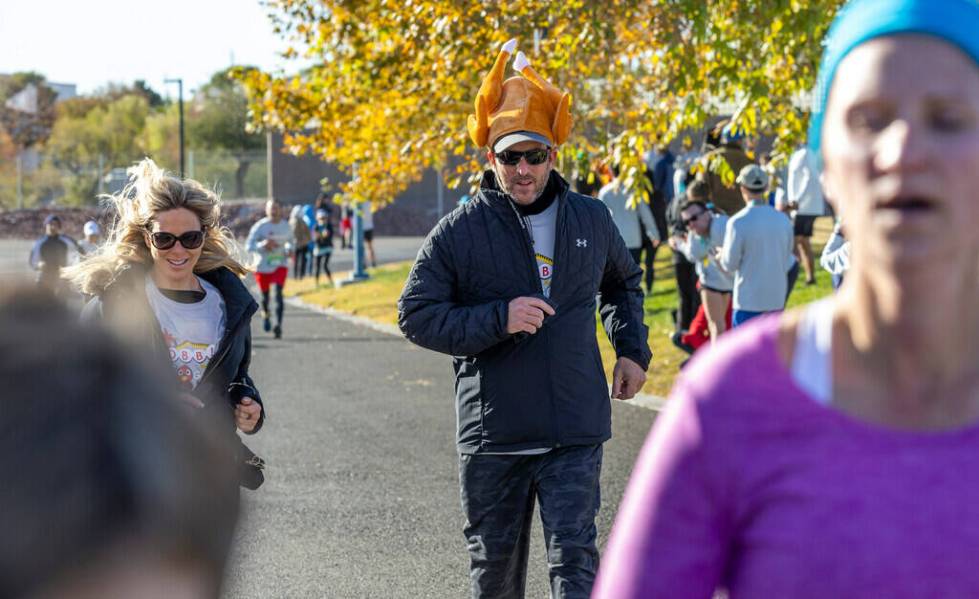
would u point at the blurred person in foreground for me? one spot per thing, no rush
(831, 451)
(496, 287)
(169, 280)
(112, 487)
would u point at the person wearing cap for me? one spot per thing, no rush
(830, 451)
(89, 244)
(506, 284)
(726, 198)
(52, 252)
(757, 250)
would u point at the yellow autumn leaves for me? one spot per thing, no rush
(385, 86)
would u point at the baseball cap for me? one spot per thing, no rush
(52, 218)
(753, 178)
(91, 228)
(516, 137)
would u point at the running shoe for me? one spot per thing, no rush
(677, 339)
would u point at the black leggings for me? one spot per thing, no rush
(323, 261)
(279, 306)
(302, 259)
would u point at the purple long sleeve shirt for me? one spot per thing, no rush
(748, 484)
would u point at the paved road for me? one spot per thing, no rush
(362, 494)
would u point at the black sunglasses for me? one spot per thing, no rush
(191, 240)
(687, 221)
(511, 157)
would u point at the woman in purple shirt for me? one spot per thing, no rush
(834, 451)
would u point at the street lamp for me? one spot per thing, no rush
(180, 103)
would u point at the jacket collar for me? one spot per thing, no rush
(490, 190)
(238, 302)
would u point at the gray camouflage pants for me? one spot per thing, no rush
(498, 496)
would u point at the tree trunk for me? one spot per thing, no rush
(240, 173)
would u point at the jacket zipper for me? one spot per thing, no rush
(528, 240)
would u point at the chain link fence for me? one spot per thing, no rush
(32, 179)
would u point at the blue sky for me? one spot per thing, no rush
(91, 43)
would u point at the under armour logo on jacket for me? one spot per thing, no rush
(582, 243)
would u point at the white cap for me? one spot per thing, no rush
(91, 228)
(511, 139)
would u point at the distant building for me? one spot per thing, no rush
(296, 180)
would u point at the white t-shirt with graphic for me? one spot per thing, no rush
(543, 226)
(275, 255)
(191, 332)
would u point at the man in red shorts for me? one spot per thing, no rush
(271, 238)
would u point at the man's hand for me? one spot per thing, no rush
(526, 315)
(246, 414)
(627, 379)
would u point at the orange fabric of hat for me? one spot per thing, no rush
(523, 103)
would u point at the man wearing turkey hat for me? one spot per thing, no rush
(506, 284)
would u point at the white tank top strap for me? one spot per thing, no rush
(811, 363)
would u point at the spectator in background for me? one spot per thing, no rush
(627, 219)
(112, 487)
(302, 238)
(805, 197)
(367, 223)
(682, 165)
(322, 245)
(835, 258)
(51, 253)
(701, 246)
(726, 199)
(685, 270)
(89, 244)
(346, 226)
(661, 180)
(757, 250)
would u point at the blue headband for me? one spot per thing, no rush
(955, 21)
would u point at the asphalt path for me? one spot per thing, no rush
(362, 494)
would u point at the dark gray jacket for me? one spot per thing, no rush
(226, 379)
(518, 392)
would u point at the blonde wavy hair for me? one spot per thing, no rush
(151, 191)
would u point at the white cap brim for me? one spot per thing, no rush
(511, 139)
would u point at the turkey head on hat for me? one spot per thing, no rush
(526, 103)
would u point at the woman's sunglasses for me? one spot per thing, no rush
(191, 240)
(511, 157)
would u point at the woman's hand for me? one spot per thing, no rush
(247, 413)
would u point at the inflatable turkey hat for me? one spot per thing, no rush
(526, 108)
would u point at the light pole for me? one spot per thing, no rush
(180, 104)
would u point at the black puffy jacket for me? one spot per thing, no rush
(225, 380)
(529, 391)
